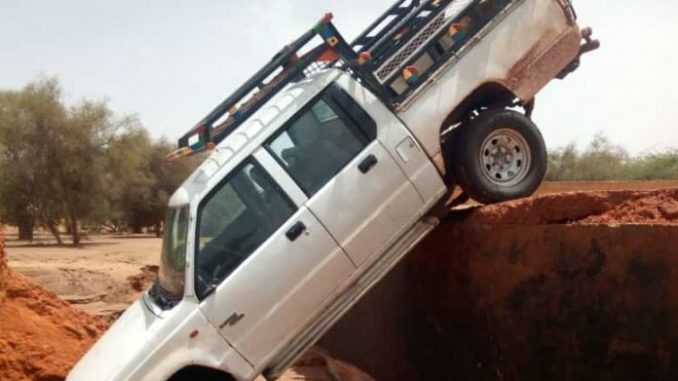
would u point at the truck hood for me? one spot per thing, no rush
(110, 359)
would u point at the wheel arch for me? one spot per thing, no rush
(489, 94)
(203, 373)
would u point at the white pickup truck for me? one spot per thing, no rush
(326, 168)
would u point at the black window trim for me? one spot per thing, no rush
(235, 171)
(356, 113)
(334, 96)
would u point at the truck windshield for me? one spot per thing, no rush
(172, 265)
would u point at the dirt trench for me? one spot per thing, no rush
(570, 286)
(576, 286)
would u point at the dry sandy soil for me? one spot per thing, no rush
(41, 336)
(95, 276)
(550, 187)
(102, 276)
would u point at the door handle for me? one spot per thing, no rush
(232, 320)
(368, 163)
(295, 231)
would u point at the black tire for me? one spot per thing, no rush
(473, 150)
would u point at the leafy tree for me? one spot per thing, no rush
(79, 167)
(655, 166)
(52, 160)
(602, 160)
(24, 116)
(76, 164)
(127, 177)
(168, 175)
(141, 180)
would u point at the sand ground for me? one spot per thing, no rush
(94, 276)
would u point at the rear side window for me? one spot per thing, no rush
(317, 144)
(234, 220)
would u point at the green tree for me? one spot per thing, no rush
(24, 116)
(141, 180)
(169, 175)
(75, 163)
(655, 166)
(600, 161)
(53, 159)
(80, 167)
(127, 177)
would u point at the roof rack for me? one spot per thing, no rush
(287, 66)
(407, 17)
(372, 34)
(387, 34)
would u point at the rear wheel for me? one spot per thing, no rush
(499, 156)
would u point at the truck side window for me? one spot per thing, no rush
(317, 144)
(234, 220)
(353, 110)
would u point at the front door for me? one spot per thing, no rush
(263, 263)
(354, 185)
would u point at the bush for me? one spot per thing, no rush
(603, 161)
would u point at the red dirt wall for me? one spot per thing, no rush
(527, 290)
(498, 292)
(41, 336)
(3, 268)
(600, 207)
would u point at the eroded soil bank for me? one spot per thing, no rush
(41, 336)
(580, 286)
(573, 286)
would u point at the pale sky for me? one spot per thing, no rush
(170, 61)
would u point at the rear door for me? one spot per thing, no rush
(264, 264)
(354, 185)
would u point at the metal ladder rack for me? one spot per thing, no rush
(407, 18)
(408, 53)
(287, 66)
(372, 34)
(394, 40)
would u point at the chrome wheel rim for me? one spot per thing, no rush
(505, 157)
